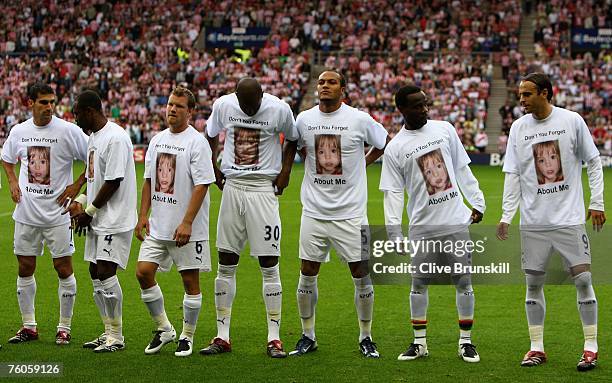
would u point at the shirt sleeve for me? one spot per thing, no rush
(596, 184)
(288, 124)
(394, 210)
(298, 129)
(511, 157)
(148, 155)
(391, 177)
(80, 140)
(470, 188)
(201, 165)
(375, 133)
(458, 153)
(214, 124)
(116, 159)
(585, 144)
(512, 196)
(9, 153)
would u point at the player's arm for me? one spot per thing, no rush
(596, 184)
(282, 180)
(9, 169)
(471, 190)
(219, 176)
(145, 206)
(375, 153)
(83, 220)
(510, 203)
(183, 231)
(71, 191)
(394, 211)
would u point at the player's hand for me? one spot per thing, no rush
(476, 216)
(68, 195)
(502, 231)
(74, 209)
(598, 217)
(219, 178)
(15, 192)
(143, 223)
(82, 223)
(281, 182)
(182, 234)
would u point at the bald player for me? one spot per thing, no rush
(254, 169)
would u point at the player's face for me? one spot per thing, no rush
(165, 175)
(178, 113)
(38, 167)
(249, 100)
(435, 174)
(548, 164)
(329, 87)
(43, 108)
(83, 117)
(529, 98)
(416, 111)
(328, 157)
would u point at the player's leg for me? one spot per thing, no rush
(536, 249)
(113, 251)
(307, 297)
(151, 254)
(60, 242)
(419, 302)
(364, 304)
(28, 244)
(464, 299)
(66, 292)
(231, 238)
(573, 245)
(272, 292)
(263, 227)
(26, 296)
(192, 302)
(587, 307)
(98, 296)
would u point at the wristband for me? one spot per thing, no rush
(91, 210)
(82, 199)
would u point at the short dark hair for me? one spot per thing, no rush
(37, 89)
(403, 93)
(541, 81)
(181, 91)
(90, 98)
(342, 78)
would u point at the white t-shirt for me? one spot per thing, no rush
(111, 156)
(335, 184)
(551, 184)
(252, 143)
(175, 163)
(424, 162)
(46, 154)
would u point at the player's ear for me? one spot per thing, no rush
(30, 102)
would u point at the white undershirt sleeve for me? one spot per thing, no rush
(596, 184)
(394, 209)
(512, 195)
(470, 188)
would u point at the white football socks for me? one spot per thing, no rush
(535, 307)
(587, 307)
(26, 295)
(154, 300)
(272, 292)
(225, 291)
(364, 304)
(307, 296)
(66, 290)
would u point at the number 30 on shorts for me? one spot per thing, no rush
(272, 231)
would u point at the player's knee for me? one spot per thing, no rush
(268, 262)
(583, 280)
(579, 269)
(145, 278)
(419, 285)
(106, 270)
(93, 271)
(63, 267)
(463, 283)
(310, 268)
(228, 258)
(535, 282)
(191, 281)
(27, 266)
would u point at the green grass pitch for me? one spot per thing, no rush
(500, 330)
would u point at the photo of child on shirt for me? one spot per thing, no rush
(39, 165)
(166, 168)
(246, 146)
(547, 159)
(434, 172)
(328, 154)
